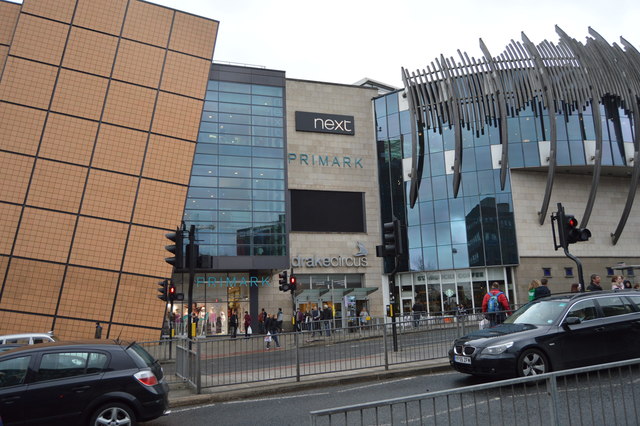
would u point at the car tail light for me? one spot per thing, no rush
(147, 378)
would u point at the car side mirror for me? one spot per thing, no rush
(571, 321)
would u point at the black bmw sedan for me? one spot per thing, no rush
(554, 333)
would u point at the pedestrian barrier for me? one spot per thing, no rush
(221, 361)
(590, 396)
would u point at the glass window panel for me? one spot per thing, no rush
(573, 127)
(232, 226)
(617, 151)
(205, 137)
(483, 158)
(268, 141)
(268, 184)
(515, 155)
(234, 129)
(234, 216)
(206, 249)
(443, 233)
(267, 111)
(494, 135)
(211, 106)
(202, 204)
(203, 192)
(266, 90)
(413, 236)
(271, 163)
(235, 98)
(450, 193)
(234, 172)
(434, 140)
(266, 100)
(439, 187)
(242, 194)
(448, 138)
(482, 139)
(528, 129)
(226, 86)
(200, 215)
(231, 238)
(204, 171)
(209, 116)
(424, 193)
(234, 183)
(226, 204)
(430, 258)
(235, 150)
(459, 232)
(234, 139)
(206, 148)
(468, 160)
(393, 125)
(268, 131)
(205, 159)
(426, 212)
(437, 164)
(470, 183)
(441, 210)
(234, 118)
(496, 181)
(428, 234)
(471, 204)
(461, 260)
(380, 106)
(268, 173)
(268, 152)
(468, 138)
(531, 154)
(234, 108)
(271, 206)
(586, 123)
(266, 217)
(456, 208)
(576, 149)
(229, 160)
(445, 259)
(562, 153)
(213, 85)
(267, 121)
(268, 195)
(485, 182)
(204, 181)
(406, 145)
(207, 127)
(513, 128)
(381, 128)
(405, 123)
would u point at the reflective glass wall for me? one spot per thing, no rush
(237, 191)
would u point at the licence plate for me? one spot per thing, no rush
(462, 359)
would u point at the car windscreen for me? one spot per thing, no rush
(544, 312)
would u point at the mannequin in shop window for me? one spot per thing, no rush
(223, 322)
(212, 320)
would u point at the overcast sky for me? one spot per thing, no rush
(343, 41)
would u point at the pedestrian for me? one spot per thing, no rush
(273, 329)
(417, 309)
(594, 285)
(575, 288)
(364, 315)
(627, 285)
(247, 325)
(495, 305)
(532, 289)
(299, 319)
(233, 324)
(327, 317)
(262, 317)
(617, 282)
(280, 319)
(542, 290)
(315, 320)
(267, 326)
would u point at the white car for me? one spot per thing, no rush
(27, 338)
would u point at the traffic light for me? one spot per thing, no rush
(171, 293)
(283, 281)
(573, 234)
(392, 243)
(293, 283)
(177, 260)
(163, 290)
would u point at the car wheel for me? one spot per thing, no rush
(113, 413)
(532, 362)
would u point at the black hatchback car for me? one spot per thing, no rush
(554, 333)
(85, 383)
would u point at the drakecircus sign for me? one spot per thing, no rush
(232, 282)
(328, 262)
(324, 123)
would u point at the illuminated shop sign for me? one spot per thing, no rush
(325, 160)
(324, 123)
(232, 282)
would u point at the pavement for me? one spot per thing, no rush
(181, 395)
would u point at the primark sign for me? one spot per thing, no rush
(324, 123)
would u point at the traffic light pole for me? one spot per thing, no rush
(192, 274)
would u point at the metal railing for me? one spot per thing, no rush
(222, 361)
(590, 396)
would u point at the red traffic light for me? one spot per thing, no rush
(292, 280)
(572, 222)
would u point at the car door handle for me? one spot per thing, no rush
(81, 388)
(10, 399)
(598, 329)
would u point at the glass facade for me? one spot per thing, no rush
(237, 191)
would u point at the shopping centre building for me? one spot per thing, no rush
(106, 150)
